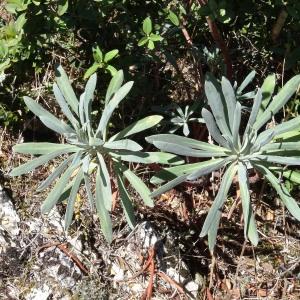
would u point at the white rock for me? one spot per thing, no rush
(9, 218)
(41, 293)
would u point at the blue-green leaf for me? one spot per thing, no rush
(215, 211)
(126, 201)
(66, 88)
(105, 221)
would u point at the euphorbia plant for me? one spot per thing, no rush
(90, 150)
(237, 153)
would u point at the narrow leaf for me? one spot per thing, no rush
(43, 148)
(186, 151)
(125, 144)
(236, 126)
(114, 85)
(137, 126)
(33, 164)
(208, 169)
(219, 112)
(105, 183)
(126, 201)
(250, 230)
(166, 187)
(230, 99)
(281, 190)
(279, 159)
(138, 185)
(173, 172)
(267, 89)
(148, 157)
(64, 106)
(55, 174)
(213, 129)
(66, 88)
(105, 221)
(278, 101)
(89, 96)
(112, 105)
(58, 189)
(246, 82)
(216, 208)
(184, 141)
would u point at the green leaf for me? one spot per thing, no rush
(97, 54)
(62, 7)
(58, 189)
(281, 190)
(166, 187)
(249, 221)
(246, 81)
(137, 126)
(184, 141)
(110, 55)
(112, 105)
(143, 41)
(150, 45)
(112, 70)
(57, 125)
(66, 88)
(284, 160)
(125, 144)
(230, 99)
(148, 157)
(213, 129)
(64, 106)
(33, 164)
(147, 25)
(267, 91)
(173, 18)
(216, 208)
(72, 199)
(236, 126)
(91, 70)
(212, 233)
(126, 201)
(173, 172)
(105, 183)
(281, 146)
(292, 175)
(49, 119)
(219, 112)
(183, 150)
(105, 221)
(155, 37)
(43, 148)
(290, 136)
(137, 184)
(89, 96)
(56, 173)
(278, 101)
(279, 130)
(114, 85)
(208, 168)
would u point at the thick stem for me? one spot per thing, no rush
(277, 27)
(217, 36)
